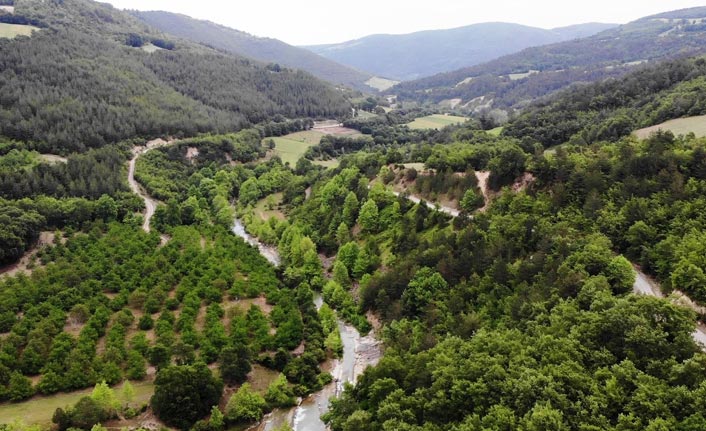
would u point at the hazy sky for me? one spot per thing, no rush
(301, 22)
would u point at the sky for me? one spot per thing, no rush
(309, 22)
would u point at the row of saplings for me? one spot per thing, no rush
(184, 394)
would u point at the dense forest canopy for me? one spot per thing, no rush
(513, 310)
(124, 92)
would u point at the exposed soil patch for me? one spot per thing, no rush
(45, 238)
(482, 177)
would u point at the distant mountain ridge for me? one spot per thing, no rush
(414, 55)
(506, 83)
(259, 48)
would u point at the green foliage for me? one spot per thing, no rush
(234, 364)
(245, 405)
(184, 394)
(279, 394)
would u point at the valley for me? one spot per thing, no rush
(493, 227)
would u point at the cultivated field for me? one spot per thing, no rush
(39, 410)
(680, 126)
(436, 121)
(292, 147)
(11, 31)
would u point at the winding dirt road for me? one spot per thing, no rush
(150, 202)
(645, 285)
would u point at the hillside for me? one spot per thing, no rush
(514, 80)
(614, 108)
(94, 75)
(414, 55)
(259, 48)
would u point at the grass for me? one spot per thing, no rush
(436, 121)
(11, 31)
(330, 164)
(496, 131)
(262, 211)
(518, 76)
(39, 409)
(292, 147)
(150, 48)
(381, 84)
(680, 126)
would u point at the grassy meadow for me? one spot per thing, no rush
(10, 31)
(436, 121)
(680, 126)
(292, 147)
(39, 409)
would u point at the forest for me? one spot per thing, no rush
(126, 93)
(515, 312)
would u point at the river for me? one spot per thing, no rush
(358, 353)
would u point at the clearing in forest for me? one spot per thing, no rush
(292, 147)
(680, 126)
(381, 84)
(11, 31)
(436, 121)
(39, 409)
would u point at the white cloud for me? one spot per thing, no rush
(302, 22)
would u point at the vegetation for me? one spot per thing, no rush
(185, 91)
(266, 50)
(435, 122)
(611, 53)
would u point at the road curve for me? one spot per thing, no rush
(645, 285)
(150, 203)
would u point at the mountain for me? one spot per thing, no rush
(414, 55)
(517, 79)
(93, 75)
(259, 48)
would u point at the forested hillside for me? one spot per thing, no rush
(424, 53)
(615, 108)
(84, 81)
(545, 69)
(259, 48)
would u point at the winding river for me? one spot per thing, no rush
(358, 352)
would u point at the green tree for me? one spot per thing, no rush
(19, 388)
(245, 405)
(369, 217)
(234, 363)
(184, 394)
(422, 289)
(279, 394)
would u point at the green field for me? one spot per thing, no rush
(39, 410)
(496, 131)
(331, 164)
(680, 126)
(381, 84)
(436, 121)
(292, 147)
(13, 30)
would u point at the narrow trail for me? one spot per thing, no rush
(150, 202)
(644, 284)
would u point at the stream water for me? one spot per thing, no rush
(358, 352)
